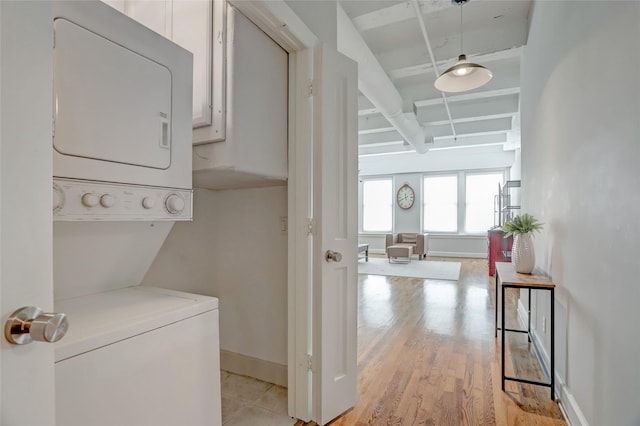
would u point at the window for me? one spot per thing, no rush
(440, 197)
(480, 191)
(377, 205)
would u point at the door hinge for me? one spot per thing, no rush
(310, 227)
(308, 89)
(309, 362)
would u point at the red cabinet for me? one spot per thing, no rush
(499, 248)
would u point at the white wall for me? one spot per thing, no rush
(580, 176)
(409, 168)
(320, 16)
(234, 250)
(107, 255)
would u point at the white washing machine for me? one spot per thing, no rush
(139, 356)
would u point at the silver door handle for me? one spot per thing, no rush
(332, 256)
(30, 323)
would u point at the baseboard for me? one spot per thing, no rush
(568, 404)
(522, 314)
(456, 254)
(260, 369)
(440, 254)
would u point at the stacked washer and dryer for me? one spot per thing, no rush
(133, 355)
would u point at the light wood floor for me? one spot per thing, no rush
(427, 356)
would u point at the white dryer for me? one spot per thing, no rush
(139, 356)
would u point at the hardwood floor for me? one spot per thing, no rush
(427, 356)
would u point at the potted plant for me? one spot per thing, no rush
(522, 228)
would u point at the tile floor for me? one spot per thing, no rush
(247, 401)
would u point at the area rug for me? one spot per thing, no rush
(426, 269)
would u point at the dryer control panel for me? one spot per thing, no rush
(88, 200)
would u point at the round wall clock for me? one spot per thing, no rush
(405, 196)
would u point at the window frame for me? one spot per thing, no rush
(422, 203)
(467, 173)
(362, 182)
(462, 195)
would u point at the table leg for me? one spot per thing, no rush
(529, 318)
(553, 344)
(503, 340)
(496, 305)
(366, 255)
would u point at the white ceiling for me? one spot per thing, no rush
(494, 32)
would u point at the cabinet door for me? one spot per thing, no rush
(189, 23)
(192, 29)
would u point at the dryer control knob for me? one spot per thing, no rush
(148, 203)
(174, 204)
(90, 200)
(107, 200)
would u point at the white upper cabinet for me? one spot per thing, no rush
(240, 90)
(188, 23)
(193, 30)
(254, 152)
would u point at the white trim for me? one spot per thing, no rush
(569, 406)
(441, 254)
(456, 254)
(567, 403)
(369, 234)
(261, 369)
(434, 235)
(278, 20)
(299, 242)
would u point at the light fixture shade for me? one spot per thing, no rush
(463, 76)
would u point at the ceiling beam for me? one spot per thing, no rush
(368, 111)
(378, 130)
(397, 13)
(468, 119)
(427, 68)
(473, 138)
(455, 98)
(375, 84)
(468, 97)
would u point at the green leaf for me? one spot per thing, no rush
(522, 224)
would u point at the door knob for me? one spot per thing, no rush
(332, 256)
(30, 323)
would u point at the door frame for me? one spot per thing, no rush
(278, 20)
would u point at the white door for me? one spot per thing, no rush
(335, 180)
(26, 278)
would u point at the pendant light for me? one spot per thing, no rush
(464, 75)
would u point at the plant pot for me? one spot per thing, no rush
(522, 254)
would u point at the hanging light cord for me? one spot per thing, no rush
(461, 32)
(423, 28)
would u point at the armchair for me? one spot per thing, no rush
(418, 242)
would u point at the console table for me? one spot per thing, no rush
(507, 277)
